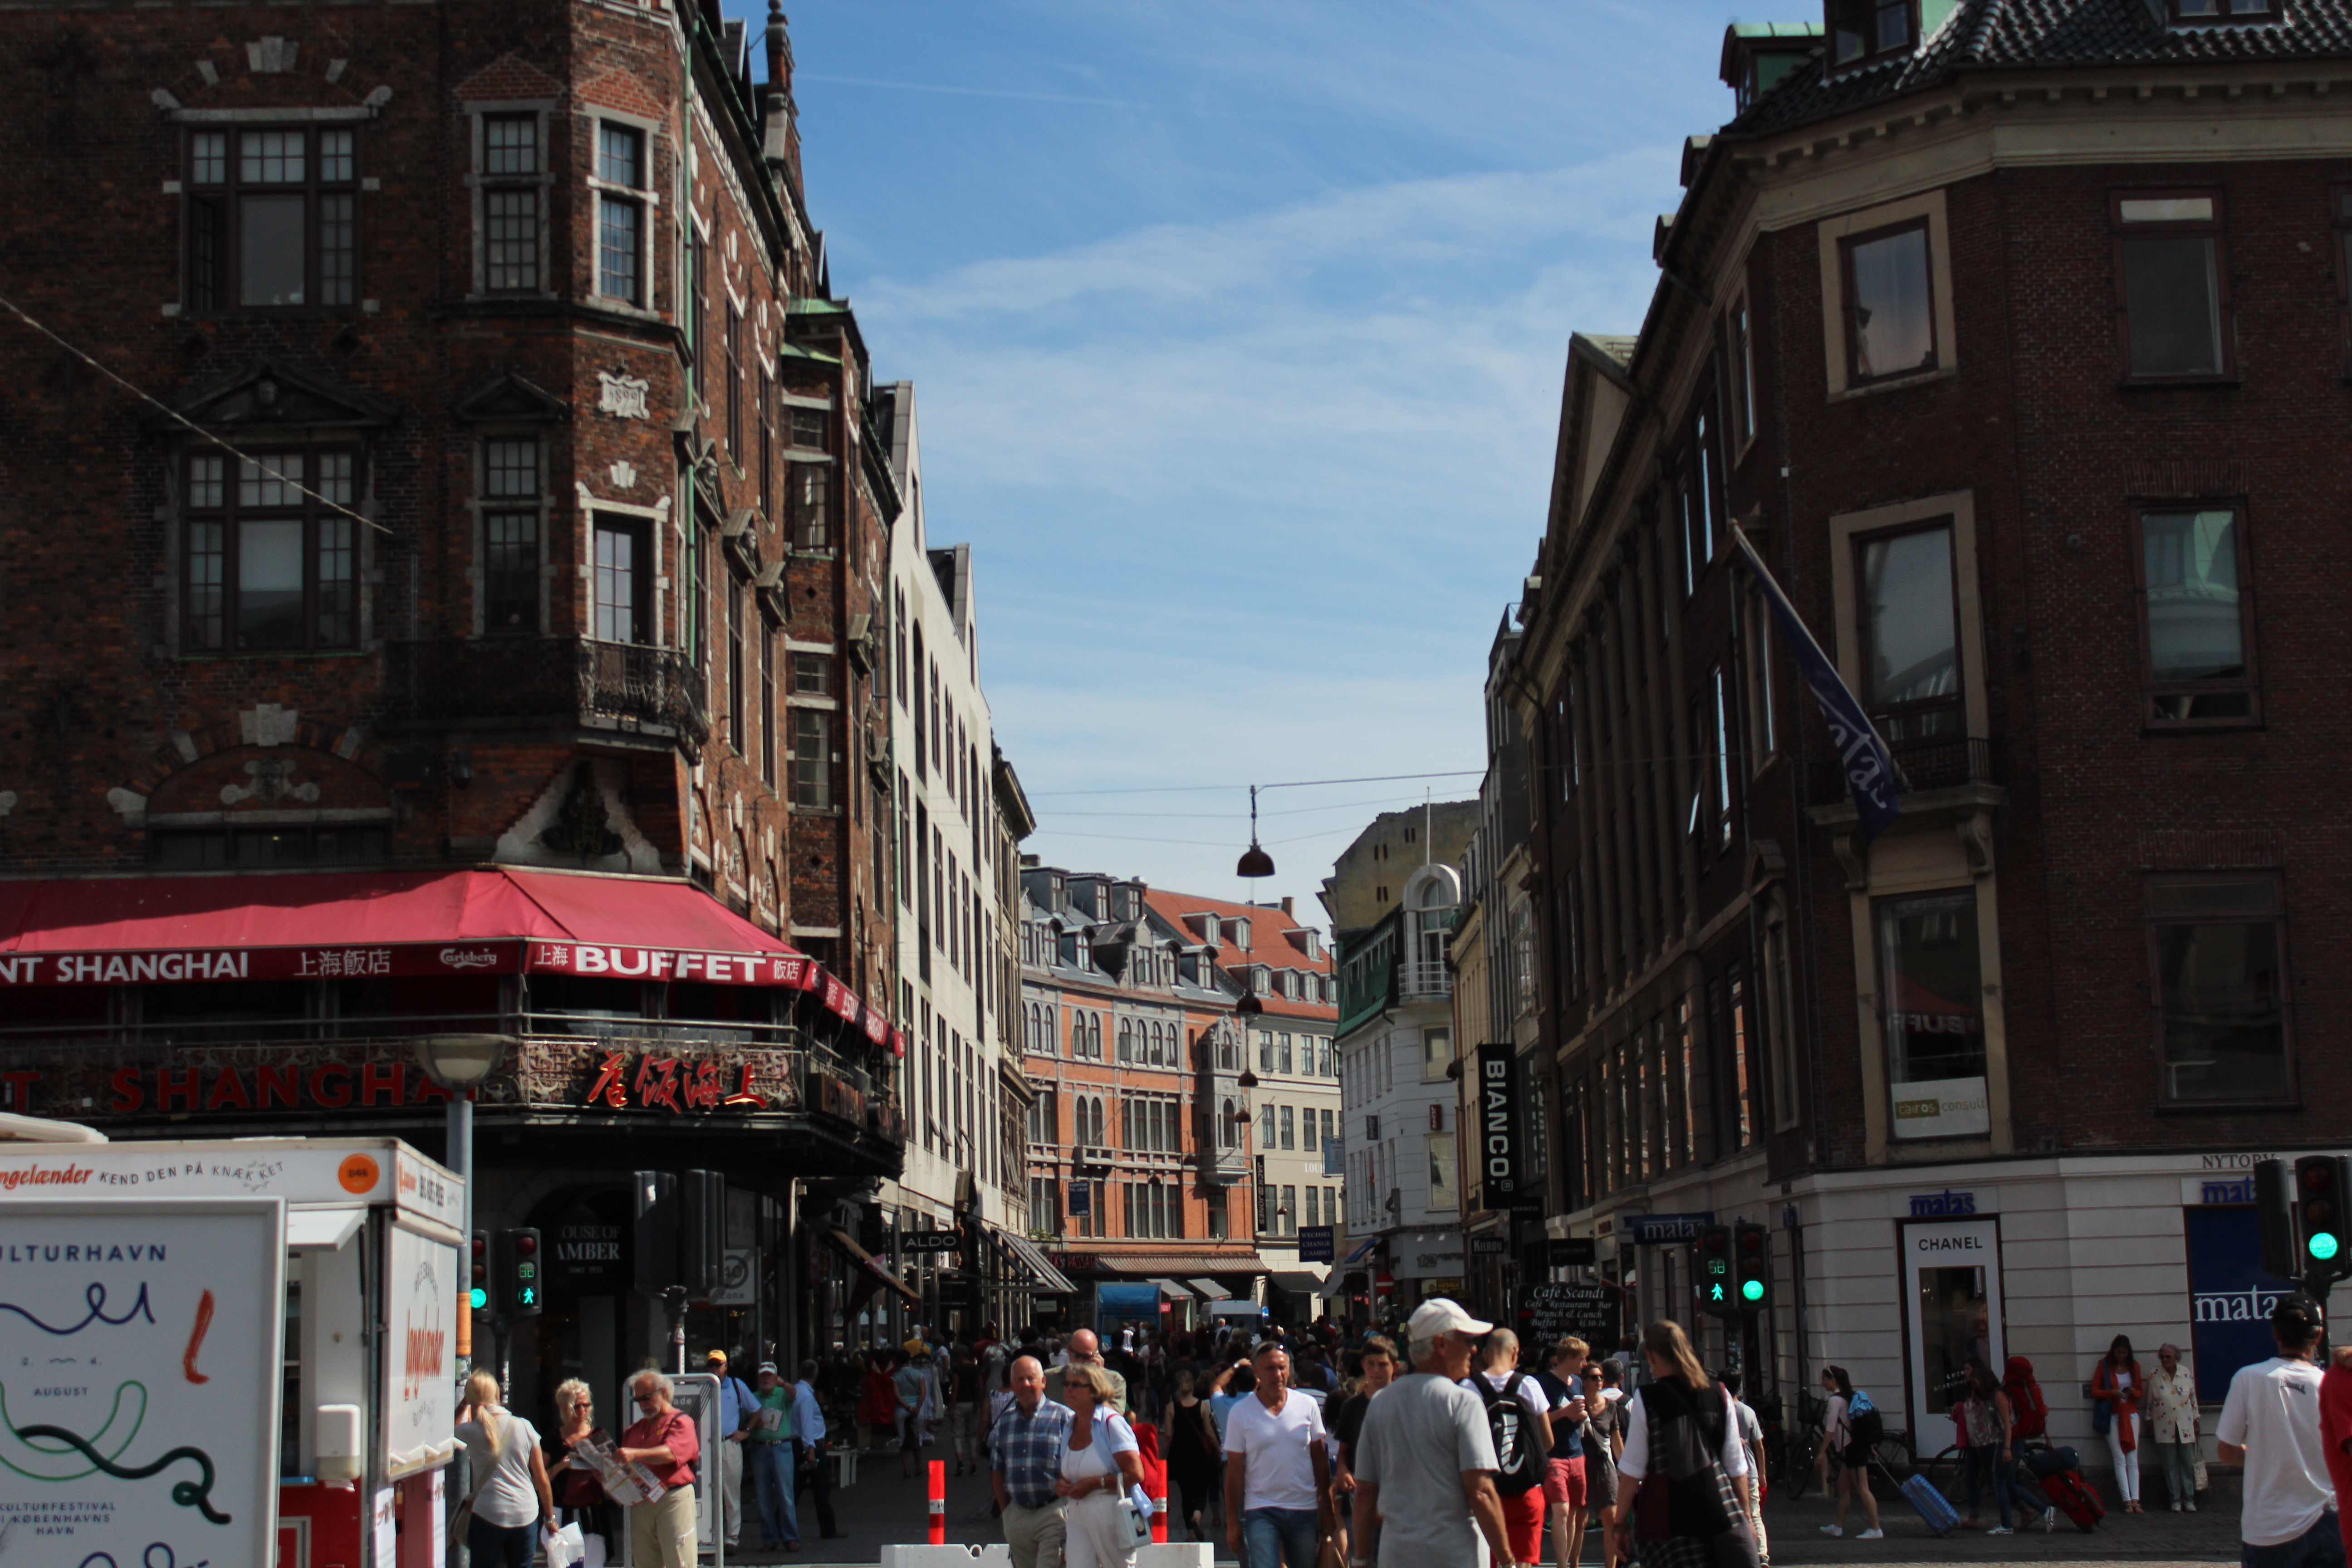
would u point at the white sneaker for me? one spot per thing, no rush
(2001, 1530)
(2188, 1503)
(2176, 1505)
(1872, 1535)
(2049, 1520)
(1833, 1530)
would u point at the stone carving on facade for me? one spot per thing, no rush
(623, 396)
(583, 826)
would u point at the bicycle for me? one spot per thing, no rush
(1790, 1457)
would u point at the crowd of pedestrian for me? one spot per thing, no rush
(1296, 1450)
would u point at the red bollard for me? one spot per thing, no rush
(938, 1502)
(1159, 1514)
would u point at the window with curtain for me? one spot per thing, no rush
(2196, 617)
(1890, 306)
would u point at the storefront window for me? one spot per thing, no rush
(1931, 1012)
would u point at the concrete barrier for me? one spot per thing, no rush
(996, 1554)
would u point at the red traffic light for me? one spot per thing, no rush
(525, 1243)
(1752, 1241)
(2317, 1175)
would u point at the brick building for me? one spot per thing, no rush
(493, 431)
(1284, 968)
(2006, 334)
(1140, 1134)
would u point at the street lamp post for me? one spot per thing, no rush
(460, 1063)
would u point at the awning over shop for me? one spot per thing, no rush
(865, 1260)
(1210, 1291)
(1171, 1290)
(1047, 1279)
(115, 930)
(1362, 1250)
(1181, 1266)
(1298, 1281)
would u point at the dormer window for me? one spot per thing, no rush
(2192, 13)
(1862, 31)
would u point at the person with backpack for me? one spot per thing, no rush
(1854, 1428)
(1519, 1419)
(1689, 1505)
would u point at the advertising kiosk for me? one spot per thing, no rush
(232, 1352)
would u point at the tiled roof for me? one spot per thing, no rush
(2011, 34)
(1269, 944)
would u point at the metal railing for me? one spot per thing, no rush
(1925, 766)
(1416, 979)
(498, 678)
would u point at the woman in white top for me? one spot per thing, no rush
(1680, 1390)
(511, 1496)
(1100, 1466)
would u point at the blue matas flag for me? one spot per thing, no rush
(1869, 771)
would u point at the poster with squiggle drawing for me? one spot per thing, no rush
(140, 1381)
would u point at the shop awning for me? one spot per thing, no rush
(1298, 1281)
(1049, 1280)
(1362, 1250)
(1210, 1291)
(323, 1230)
(1180, 1266)
(1171, 1290)
(865, 1260)
(114, 931)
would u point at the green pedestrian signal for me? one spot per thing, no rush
(1753, 1290)
(1714, 1292)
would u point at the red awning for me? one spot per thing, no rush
(116, 931)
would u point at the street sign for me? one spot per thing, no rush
(1590, 1312)
(930, 1240)
(1489, 1245)
(1314, 1244)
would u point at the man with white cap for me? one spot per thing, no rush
(1424, 1461)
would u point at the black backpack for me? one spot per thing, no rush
(1519, 1451)
(1863, 1426)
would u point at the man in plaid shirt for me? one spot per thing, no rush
(1025, 1460)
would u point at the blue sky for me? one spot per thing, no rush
(1238, 330)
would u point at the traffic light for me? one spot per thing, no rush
(653, 1202)
(480, 1295)
(1712, 1249)
(2274, 1215)
(1751, 1266)
(515, 1264)
(701, 1230)
(2323, 1184)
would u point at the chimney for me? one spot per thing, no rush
(1287, 908)
(782, 132)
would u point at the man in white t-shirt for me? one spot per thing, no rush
(1278, 1472)
(2270, 1423)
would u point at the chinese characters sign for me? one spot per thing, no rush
(675, 1084)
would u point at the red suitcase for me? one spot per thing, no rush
(2067, 1492)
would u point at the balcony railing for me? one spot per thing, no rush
(1925, 766)
(1221, 1166)
(571, 677)
(1417, 980)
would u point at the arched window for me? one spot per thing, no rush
(1125, 1040)
(1225, 1124)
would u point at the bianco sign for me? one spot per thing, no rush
(140, 1385)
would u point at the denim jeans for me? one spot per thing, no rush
(1985, 1464)
(770, 1465)
(2321, 1546)
(1282, 1538)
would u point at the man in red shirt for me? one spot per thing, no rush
(662, 1533)
(2336, 1432)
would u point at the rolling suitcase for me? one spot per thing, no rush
(2073, 1497)
(1933, 1506)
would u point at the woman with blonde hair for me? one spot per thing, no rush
(1681, 1427)
(512, 1500)
(579, 1496)
(1101, 1464)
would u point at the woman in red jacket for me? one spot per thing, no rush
(877, 1405)
(2121, 1384)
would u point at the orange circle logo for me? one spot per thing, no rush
(357, 1174)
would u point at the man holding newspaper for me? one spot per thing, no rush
(651, 1473)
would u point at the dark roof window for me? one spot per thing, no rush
(1862, 31)
(2205, 13)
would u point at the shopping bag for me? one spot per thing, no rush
(565, 1548)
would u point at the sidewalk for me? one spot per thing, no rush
(881, 1508)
